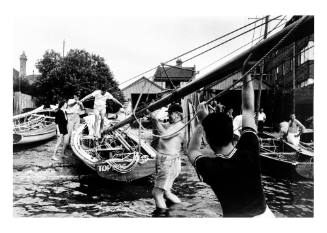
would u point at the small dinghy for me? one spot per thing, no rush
(282, 158)
(34, 126)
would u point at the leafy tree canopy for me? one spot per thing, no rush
(79, 72)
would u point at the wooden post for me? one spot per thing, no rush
(294, 77)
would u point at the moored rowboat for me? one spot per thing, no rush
(34, 126)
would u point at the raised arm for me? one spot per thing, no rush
(193, 149)
(161, 129)
(86, 97)
(116, 101)
(247, 99)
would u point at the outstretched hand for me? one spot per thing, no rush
(202, 111)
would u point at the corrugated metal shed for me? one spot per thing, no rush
(142, 85)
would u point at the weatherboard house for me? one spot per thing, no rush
(165, 79)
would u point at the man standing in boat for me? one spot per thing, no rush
(261, 120)
(168, 157)
(233, 172)
(295, 129)
(100, 98)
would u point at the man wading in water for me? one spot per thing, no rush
(234, 172)
(168, 157)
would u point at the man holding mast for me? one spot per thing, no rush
(233, 172)
(168, 157)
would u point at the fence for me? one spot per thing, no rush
(21, 101)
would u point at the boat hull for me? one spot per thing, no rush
(142, 169)
(31, 137)
(282, 168)
(279, 158)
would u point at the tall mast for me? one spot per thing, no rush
(221, 73)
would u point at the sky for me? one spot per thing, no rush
(129, 45)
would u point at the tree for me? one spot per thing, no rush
(79, 72)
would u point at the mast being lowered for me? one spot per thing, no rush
(305, 27)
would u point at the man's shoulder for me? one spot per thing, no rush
(96, 92)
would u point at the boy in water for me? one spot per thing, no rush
(168, 157)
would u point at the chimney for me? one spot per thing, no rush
(179, 62)
(22, 69)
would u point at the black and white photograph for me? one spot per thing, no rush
(165, 116)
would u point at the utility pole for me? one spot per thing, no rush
(262, 66)
(63, 48)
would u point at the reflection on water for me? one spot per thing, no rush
(69, 189)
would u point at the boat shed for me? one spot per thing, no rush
(232, 98)
(149, 90)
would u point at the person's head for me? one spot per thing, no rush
(76, 97)
(103, 89)
(230, 111)
(261, 110)
(71, 102)
(292, 116)
(218, 128)
(62, 105)
(175, 113)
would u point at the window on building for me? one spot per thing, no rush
(306, 53)
(283, 68)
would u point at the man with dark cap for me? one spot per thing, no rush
(168, 157)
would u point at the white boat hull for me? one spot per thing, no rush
(30, 137)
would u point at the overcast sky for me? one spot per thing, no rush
(129, 45)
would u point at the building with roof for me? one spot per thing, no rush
(148, 90)
(290, 71)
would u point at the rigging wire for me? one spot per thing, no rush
(192, 50)
(235, 83)
(260, 37)
(227, 40)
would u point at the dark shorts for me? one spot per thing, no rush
(63, 130)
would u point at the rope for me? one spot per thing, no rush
(260, 37)
(192, 50)
(234, 84)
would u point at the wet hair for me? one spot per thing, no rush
(218, 128)
(175, 108)
(61, 103)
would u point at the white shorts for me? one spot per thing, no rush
(292, 139)
(99, 111)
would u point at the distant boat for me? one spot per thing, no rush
(36, 125)
(284, 159)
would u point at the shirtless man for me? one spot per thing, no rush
(100, 97)
(168, 158)
(295, 129)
